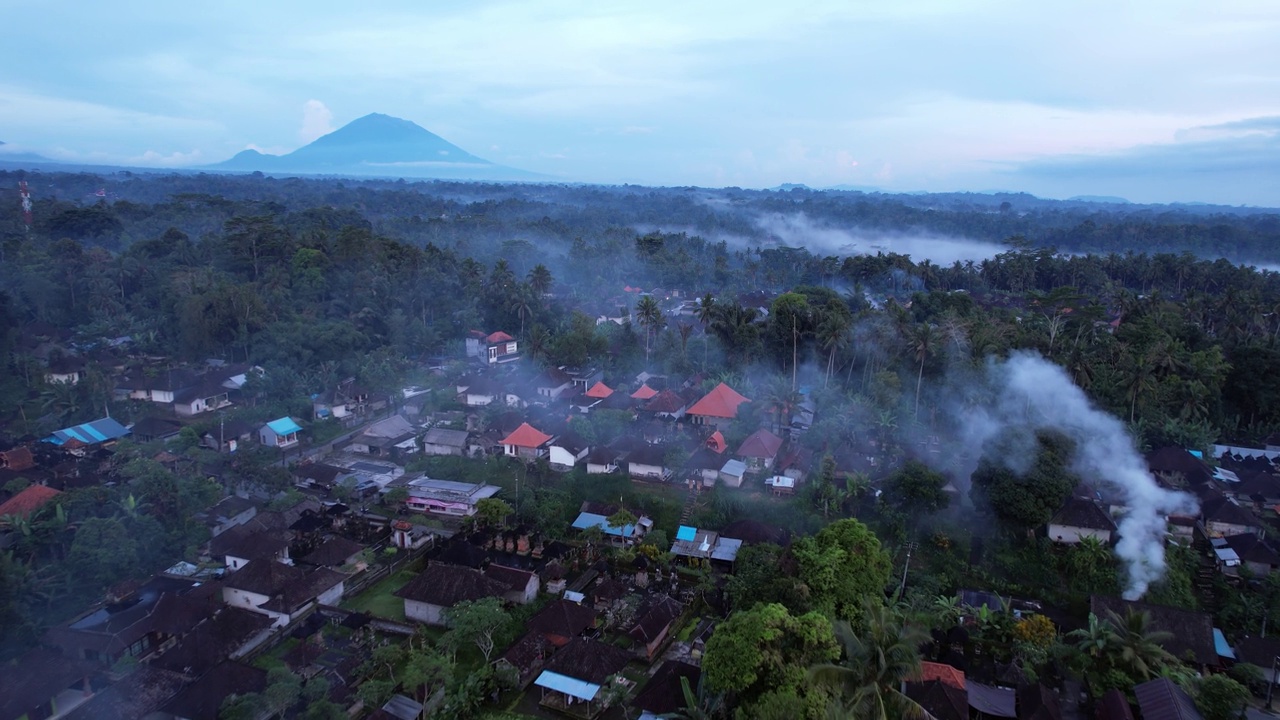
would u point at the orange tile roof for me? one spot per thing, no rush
(721, 402)
(939, 671)
(28, 501)
(716, 442)
(499, 337)
(526, 436)
(644, 393)
(599, 390)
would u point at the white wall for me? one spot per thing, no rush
(423, 612)
(1071, 535)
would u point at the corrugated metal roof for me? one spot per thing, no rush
(1161, 698)
(726, 549)
(90, 433)
(587, 520)
(1220, 643)
(284, 426)
(572, 687)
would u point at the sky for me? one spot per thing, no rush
(1153, 101)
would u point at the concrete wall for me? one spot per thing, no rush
(424, 612)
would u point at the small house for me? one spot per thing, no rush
(492, 349)
(718, 407)
(522, 585)
(1223, 517)
(733, 472)
(281, 592)
(441, 586)
(1080, 518)
(440, 441)
(602, 460)
(561, 621)
(577, 676)
(648, 462)
(760, 449)
(526, 443)
(526, 657)
(654, 621)
(567, 451)
(281, 433)
(386, 438)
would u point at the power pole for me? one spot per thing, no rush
(911, 546)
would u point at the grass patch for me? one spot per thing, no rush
(275, 658)
(687, 631)
(378, 599)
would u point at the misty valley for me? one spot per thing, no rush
(321, 447)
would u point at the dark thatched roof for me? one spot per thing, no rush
(1192, 631)
(448, 585)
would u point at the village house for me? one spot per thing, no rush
(1190, 633)
(551, 384)
(152, 428)
(228, 435)
(526, 657)
(1080, 518)
(281, 592)
(648, 462)
(561, 621)
(227, 513)
(602, 460)
(1222, 517)
(653, 624)
(522, 585)
(526, 443)
(663, 695)
(644, 393)
(578, 674)
(445, 497)
(732, 473)
(390, 437)
(718, 407)
(760, 449)
(63, 369)
(44, 683)
(486, 391)
(492, 349)
(26, 502)
(1252, 552)
(441, 441)
(335, 552)
(242, 543)
(626, 535)
(281, 433)
(441, 586)
(668, 405)
(566, 451)
(79, 438)
(1177, 468)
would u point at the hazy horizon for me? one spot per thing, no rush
(1151, 102)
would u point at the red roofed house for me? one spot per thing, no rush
(939, 671)
(719, 407)
(666, 404)
(760, 449)
(644, 392)
(28, 501)
(526, 442)
(493, 348)
(599, 391)
(716, 442)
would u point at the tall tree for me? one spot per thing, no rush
(875, 662)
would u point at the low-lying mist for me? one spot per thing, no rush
(799, 231)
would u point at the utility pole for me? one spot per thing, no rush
(903, 587)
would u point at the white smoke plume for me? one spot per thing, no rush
(1029, 394)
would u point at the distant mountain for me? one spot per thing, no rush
(1110, 199)
(377, 144)
(8, 155)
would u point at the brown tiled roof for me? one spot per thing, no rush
(562, 618)
(287, 587)
(202, 699)
(1162, 698)
(528, 651)
(656, 615)
(1192, 631)
(665, 402)
(516, 580)
(1223, 510)
(1082, 513)
(18, 458)
(939, 699)
(213, 641)
(333, 552)
(31, 679)
(138, 695)
(760, 444)
(32, 498)
(664, 693)
(448, 585)
(589, 660)
(939, 671)
(248, 542)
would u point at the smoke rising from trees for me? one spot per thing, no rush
(1027, 394)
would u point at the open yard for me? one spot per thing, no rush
(378, 599)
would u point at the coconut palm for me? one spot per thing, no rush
(522, 304)
(707, 312)
(868, 680)
(923, 339)
(540, 279)
(1138, 648)
(650, 316)
(833, 335)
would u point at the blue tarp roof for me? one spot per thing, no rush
(1220, 644)
(686, 533)
(90, 433)
(586, 520)
(284, 426)
(572, 687)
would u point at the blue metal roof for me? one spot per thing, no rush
(586, 520)
(90, 433)
(686, 533)
(572, 687)
(284, 426)
(1220, 644)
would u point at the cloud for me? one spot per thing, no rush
(151, 158)
(317, 121)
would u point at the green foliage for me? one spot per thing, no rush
(492, 512)
(1218, 697)
(1025, 500)
(840, 567)
(916, 489)
(475, 622)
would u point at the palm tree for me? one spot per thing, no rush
(540, 279)
(699, 704)
(650, 316)
(874, 665)
(522, 305)
(707, 312)
(780, 396)
(923, 338)
(685, 332)
(1138, 648)
(833, 334)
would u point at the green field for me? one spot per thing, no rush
(378, 599)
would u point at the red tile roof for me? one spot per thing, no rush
(18, 458)
(644, 393)
(599, 390)
(761, 444)
(721, 402)
(939, 671)
(28, 501)
(499, 337)
(526, 436)
(665, 402)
